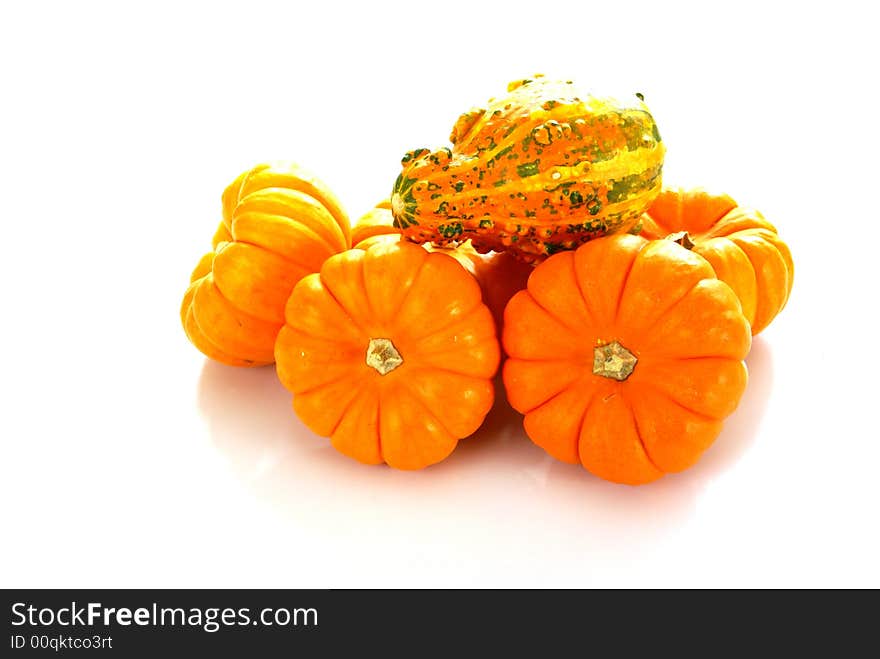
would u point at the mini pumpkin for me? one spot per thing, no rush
(279, 224)
(625, 356)
(374, 226)
(390, 353)
(744, 248)
(544, 168)
(499, 274)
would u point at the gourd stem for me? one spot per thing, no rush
(613, 361)
(397, 205)
(383, 356)
(683, 238)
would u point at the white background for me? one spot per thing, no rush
(129, 460)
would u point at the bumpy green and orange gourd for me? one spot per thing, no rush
(280, 223)
(542, 169)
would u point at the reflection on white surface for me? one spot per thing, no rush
(496, 483)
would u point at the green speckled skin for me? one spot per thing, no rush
(542, 169)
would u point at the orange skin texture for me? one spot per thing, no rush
(744, 248)
(662, 303)
(499, 274)
(372, 225)
(279, 224)
(430, 308)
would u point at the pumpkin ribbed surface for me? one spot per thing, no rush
(390, 353)
(742, 246)
(279, 224)
(625, 355)
(499, 274)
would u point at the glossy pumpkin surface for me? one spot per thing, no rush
(390, 353)
(625, 356)
(743, 247)
(542, 169)
(279, 224)
(499, 274)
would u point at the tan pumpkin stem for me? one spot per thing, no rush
(383, 356)
(613, 361)
(683, 238)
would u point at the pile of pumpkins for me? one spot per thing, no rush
(544, 240)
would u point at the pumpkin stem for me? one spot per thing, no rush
(683, 238)
(613, 361)
(383, 356)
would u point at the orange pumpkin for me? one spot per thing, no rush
(279, 224)
(390, 353)
(375, 226)
(625, 355)
(500, 274)
(743, 247)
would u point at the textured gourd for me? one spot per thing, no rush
(499, 274)
(625, 356)
(279, 224)
(390, 353)
(544, 168)
(743, 247)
